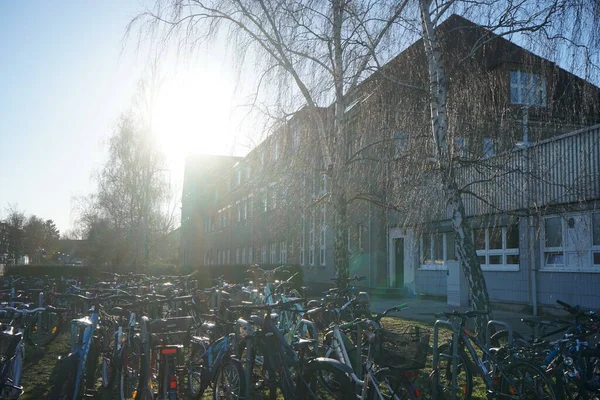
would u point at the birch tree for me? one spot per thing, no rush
(314, 53)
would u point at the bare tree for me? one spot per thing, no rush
(315, 53)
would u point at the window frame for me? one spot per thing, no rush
(565, 249)
(504, 252)
(523, 86)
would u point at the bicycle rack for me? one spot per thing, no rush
(454, 356)
(493, 323)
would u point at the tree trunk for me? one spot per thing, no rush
(439, 123)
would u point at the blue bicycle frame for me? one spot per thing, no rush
(81, 351)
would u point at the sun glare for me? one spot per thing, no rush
(192, 114)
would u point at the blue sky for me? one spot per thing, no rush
(65, 78)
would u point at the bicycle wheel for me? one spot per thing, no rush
(393, 385)
(195, 378)
(440, 379)
(323, 381)
(500, 338)
(44, 327)
(522, 380)
(65, 380)
(129, 370)
(230, 381)
(16, 370)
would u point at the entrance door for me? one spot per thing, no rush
(399, 261)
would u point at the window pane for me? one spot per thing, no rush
(496, 239)
(553, 227)
(554, 258)
(479, 239)
(596, 228)
(426, 251)
(438, 249)
(481, 260)
(596, 258)
(512, 237)
(513, 259)
(450, 247)
(495, 259)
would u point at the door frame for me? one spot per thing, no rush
(409, 272)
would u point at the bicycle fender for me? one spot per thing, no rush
(330, 362)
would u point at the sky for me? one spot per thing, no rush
(66, 74)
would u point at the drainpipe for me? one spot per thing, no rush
(371, 252)
(531, 231)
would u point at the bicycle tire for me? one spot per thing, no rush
(129, 370)
(195, 378)
(527, 381)
(500, 338)
(441, 376)
(16, 371)
(393, 385)
(234, 368)
(325, 381)
(44, 334)
(65, 380)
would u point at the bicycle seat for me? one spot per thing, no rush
(303, 344)
(207, 326)
(82, 322)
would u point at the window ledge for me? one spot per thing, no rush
(571, 270)
(500, 268)
(433, 267)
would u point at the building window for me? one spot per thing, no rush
(250, 206)
(276, 150)
(436, 250)
(245, 208)
(322, 236)
(302, 238)
(238, 209)
(488, 147)
(282, 253)
(228, 256)
(359, 237)
(400, 142)
(272, 200)
(295, 133)
(264, 200)
(527, 88)
(273, 253)
(572, 242)
(237, 255)
(311, 241)
(238, 176)
(498, 248)
(323, 184)
(461, 148)
(244, 252)
(263, 254)
(250, 251)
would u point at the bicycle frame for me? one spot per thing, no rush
(82, 350)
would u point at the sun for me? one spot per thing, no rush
(192, 114)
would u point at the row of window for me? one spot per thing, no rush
(567, 243)
(246, 255)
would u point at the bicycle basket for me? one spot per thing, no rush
(8, 343)
(172, 330)
(406, 350)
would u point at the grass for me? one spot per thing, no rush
(38, 370)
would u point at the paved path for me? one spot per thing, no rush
(423, 310)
